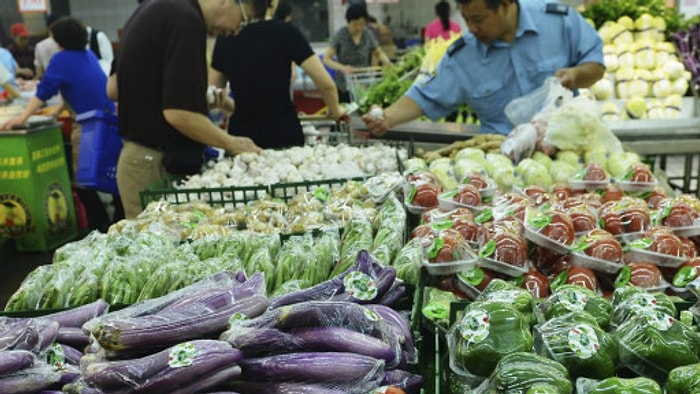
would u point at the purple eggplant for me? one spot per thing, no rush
(15, 360)
(48, 331)
(80, 387)
(216, 298)
(393, 294)
(404, 330)
(29, 380)
(327, 367)
(406, 381)
(223, 279)
(335, 339)
(19, 334)
(256, 342)
(157, 370)
(76, 317)
(207, 382)
(73, 336)
(168, 328)
(284, 388)
(383, 282)
(69, 374)
(71, 354)
(330, 288)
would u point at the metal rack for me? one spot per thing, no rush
(361, 80)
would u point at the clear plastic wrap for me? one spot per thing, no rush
(627, 215)
(572, 298)
(486, 333)
(527, 372)
(638, 385)
(551, 229)
(357, 236)
(498, 290)
(660, 246)
(598, 250)
(631, 301)
(653, 344)
(29, 380)
(408, 261)
(576, 341)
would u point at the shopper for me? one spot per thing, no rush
(442, 26)
(46, 48)
(8, 90)
(22, 50)
(263, 109)
(75, 73)
(352, 47)
(510, 49)
(160, 80)
(9, 63)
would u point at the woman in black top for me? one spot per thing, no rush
(257, 63)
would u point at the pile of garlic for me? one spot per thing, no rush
(297, 164)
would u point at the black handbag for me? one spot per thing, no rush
(183, 159)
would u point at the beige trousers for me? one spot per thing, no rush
(138, 167)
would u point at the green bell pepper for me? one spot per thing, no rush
(629, 301)
(487, 332)
(684, 380)
(574, 298)
(531, 374)
(615, 385)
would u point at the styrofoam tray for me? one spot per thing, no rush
(588, 185)
(533, 235)
(628, 186)
(660, 259)
(449, 268)
(448, 204)
(594, 263)
(467, 288)
(504, 268)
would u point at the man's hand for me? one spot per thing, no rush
(16, 121)
(347, 69)
(376, 121)
(567, 77)
(24, 72)
(240, 145)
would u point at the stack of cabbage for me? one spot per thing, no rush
(643, 70)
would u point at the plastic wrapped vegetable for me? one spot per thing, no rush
(437, 305)
(408, 261)
(615, 385)
(29, 380)
(327, 252)
(653, 344)
(28, 296)
(573, 298)
(486, 333)
(528, 373)
(631, 301)
(684, 380)
(502, 291)
(357, 236)
(576, 341)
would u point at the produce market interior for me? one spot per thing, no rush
(534, 229)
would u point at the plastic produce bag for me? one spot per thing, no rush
(631, 301)
(486, 333)
(576, 341)
(652, 345)
(574, 298)
(616, 385)
(684, 379)
(527, 373)
(548, 96)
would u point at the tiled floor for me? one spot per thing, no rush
(16, 265)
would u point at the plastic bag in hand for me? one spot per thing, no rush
(543, 99)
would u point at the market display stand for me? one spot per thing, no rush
(36, 203)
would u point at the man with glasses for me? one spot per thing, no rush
(159, 78)
(510, 48)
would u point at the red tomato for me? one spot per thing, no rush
(627, 215)
(468, 228)
(544, 259)
(510, 249)
(422, 177)
(603, 245)
(656, 197)
(537, 284)
(612, 193)
(582, 276)
(645, 275)
(681, 214)
(421, 231)
(426, 195)
(689, 249)
(468, 195)
(594, 172)
(561, 192)
(641, 173)
(583, 218)
(477, 181)
(561, 264)
(664, 241)
(560, 229)
(537, 194)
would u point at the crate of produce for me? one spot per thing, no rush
(228, 197)
(100, 145)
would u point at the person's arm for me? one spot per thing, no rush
(112, 90)
(581, 76)
(382, 57)
(32, 106)
(5, 82)
(335, 65)
(11, 90)
(198, 127)
(222, 99)
(314, 68)
(402, 111)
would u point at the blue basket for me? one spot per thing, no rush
(100, 145)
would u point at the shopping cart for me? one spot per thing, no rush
(359, 82)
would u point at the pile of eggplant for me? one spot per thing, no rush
(222, 334)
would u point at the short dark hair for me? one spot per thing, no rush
(53, 17)
(355, 12)
(283, 10)
(491, 4)
(69, 33)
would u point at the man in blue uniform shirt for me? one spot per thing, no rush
(511, 47)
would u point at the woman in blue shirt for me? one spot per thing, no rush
(74, 72)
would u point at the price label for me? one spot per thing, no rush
(32, 5)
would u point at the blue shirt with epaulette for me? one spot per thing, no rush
(550, 36)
